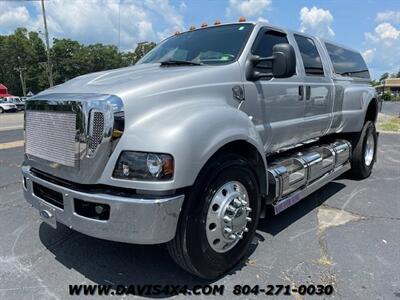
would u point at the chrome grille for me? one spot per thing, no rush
(96, 131)
(51, 136)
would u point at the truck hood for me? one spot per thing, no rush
(146, 79)
(165, 101)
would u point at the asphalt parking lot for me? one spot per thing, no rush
(346, 234)
(391, 108)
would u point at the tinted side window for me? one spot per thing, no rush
(309, 53)
(346, 62)
(263, 47)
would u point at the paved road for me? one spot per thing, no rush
(346, 234)
(391, 108)
(10, 121)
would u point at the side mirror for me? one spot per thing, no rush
(283, 63)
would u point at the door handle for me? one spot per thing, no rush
(308, 92)
(301, 93)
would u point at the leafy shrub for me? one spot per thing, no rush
(386, 96)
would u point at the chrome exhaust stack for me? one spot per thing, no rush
(299, 171)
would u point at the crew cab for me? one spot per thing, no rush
(189, 146)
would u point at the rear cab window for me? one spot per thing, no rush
(309, 53)
(347, 62)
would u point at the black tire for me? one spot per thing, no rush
(359, 168)
(1, 110)
(190, 248)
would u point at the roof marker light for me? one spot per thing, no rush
(217, 22)
(242, 19)
(204, 25)
(192, 28)
(177, 33)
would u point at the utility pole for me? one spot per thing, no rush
(21, 77)
(119, 25)
(46, 33)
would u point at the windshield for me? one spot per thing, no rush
(214, 45)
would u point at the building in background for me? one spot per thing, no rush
(390, 85)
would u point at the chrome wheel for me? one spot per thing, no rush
(369, 149)
(228, 216)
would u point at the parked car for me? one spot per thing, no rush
(20, 104)
(189, 146)
(7, 106)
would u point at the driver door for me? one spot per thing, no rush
(276, 104)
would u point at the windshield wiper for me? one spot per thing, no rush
(173, 62)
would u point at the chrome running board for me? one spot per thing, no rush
(296, 196)
(293, 176)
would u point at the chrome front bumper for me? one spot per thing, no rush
(132, 220)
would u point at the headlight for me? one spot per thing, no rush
(144, 166)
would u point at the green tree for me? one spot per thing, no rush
(21, 50)
(384, 76)
(98, 57)
(25, 51)
(36, 76)
(14, 53)
(131, 58)
(375, 82)
(65, 59)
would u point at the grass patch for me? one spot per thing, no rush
(390, 124)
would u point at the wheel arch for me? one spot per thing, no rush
(372, 111)
(359, 105)
(251, 153)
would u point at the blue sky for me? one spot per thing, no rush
(370, 26)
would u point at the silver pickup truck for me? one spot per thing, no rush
(193, 143)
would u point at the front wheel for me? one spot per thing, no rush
(219, 218)
(364, 151)
(1, 110)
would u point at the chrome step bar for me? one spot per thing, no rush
(295, 197)
(293, 177)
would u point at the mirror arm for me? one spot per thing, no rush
(269, 58)
(260, 75)
(256, 58)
